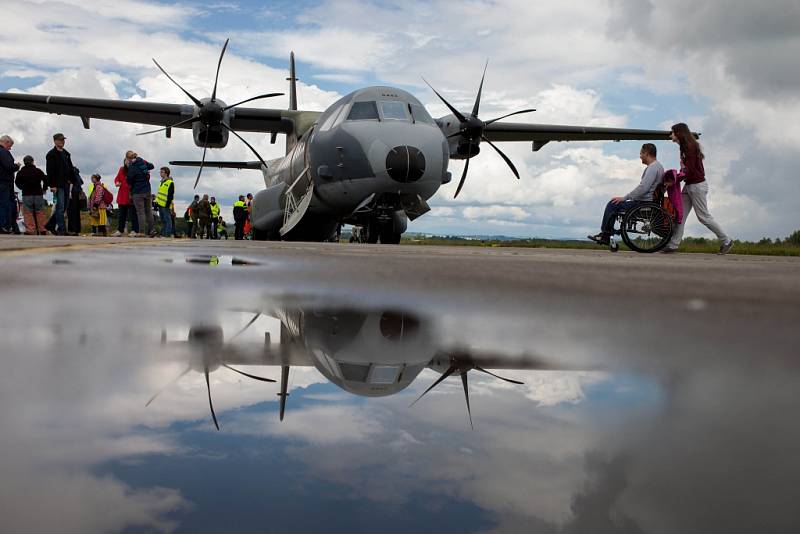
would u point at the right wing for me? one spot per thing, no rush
(542, 134)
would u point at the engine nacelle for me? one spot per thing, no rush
(214, 136)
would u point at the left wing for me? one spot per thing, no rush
(159, 114)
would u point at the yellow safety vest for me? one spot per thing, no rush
(163, 192)
(238, 204)
(214, 210)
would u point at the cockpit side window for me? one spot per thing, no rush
(363, 111)
(394, 110)
(329, 122)
(420, 114)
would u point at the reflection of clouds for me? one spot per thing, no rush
(69, 501)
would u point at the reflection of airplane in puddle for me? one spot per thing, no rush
(368, 353)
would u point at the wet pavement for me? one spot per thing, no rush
(658, 393)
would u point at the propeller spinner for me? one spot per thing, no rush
(470, 132)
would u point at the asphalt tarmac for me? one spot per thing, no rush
(653, 393)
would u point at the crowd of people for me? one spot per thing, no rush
(141, 212)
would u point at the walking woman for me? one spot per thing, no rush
(695, 189)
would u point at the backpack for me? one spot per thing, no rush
(108, 198)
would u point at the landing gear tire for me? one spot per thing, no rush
(373, 233)
(263, 235)
(390, 238)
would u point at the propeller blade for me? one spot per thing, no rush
(464, 174)
(505, 158)
(284, 386)
(477, 105)
(210, 404)
(219, 64)
(190, 119)
(450, 371)
(268, 95)
(508, 115)
(160, 391)
(482, 370)
(466, 396)
(253, 150)
(240, 332)
(455, 112)
(202, 164)
(463, 178)
(247, 374)
(192, 98)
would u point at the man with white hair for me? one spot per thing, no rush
(8, 167)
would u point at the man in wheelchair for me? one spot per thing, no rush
(651, 178)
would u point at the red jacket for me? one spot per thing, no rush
(692, 168)
(124, 193)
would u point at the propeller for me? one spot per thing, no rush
(463, 370)
(471, 128)
(210, 114)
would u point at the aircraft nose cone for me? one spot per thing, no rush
(405, 164)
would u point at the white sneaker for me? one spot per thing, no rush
(133, 234)
(116, 234)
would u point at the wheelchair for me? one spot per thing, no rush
(648, 226)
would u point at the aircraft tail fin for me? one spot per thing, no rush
(292, 79)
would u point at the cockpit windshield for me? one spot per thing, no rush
(363, 111)
(394, 110)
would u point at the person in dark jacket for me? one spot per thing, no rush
(139, 182)
(74, 204)
(33, 183)
(204, 218)
(695, 189)
(7, 169)
(60, 175)
(239, 218)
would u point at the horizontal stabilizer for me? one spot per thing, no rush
(256, 165)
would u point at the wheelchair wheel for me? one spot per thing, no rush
(646, 228)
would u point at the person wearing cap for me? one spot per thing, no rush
(33, 183)
(7, 169)
(60, 175)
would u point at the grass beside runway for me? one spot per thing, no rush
(766, 247)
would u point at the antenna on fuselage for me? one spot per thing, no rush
(292, 79)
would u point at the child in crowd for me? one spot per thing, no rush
(100, 199)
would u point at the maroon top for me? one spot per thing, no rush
(692, 168)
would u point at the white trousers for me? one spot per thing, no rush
(694, 196)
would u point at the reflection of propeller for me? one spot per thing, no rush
(463, 370)
(471, 129)
(206, 371)
(210, 114)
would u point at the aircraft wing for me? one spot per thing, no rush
(540, 134)
(159, 114)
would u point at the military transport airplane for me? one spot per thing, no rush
(372, 159)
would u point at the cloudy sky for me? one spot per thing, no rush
(727, 68)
